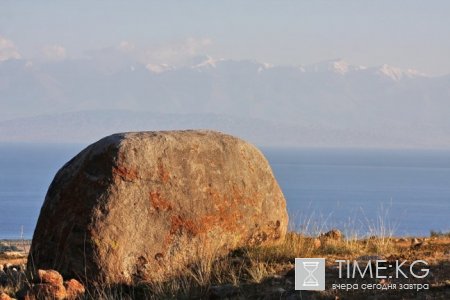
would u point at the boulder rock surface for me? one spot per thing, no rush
(49, 284)
(141, 206)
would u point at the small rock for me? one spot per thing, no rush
(51, 277)
(74, 289)
(418, 245)
(334, 234)
(4, 296)
(47, 291)
(414, 241)
(49, 285)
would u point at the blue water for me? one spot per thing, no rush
(358, 191)
(26, 171)
(401, 192)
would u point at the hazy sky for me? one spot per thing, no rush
(407, 34)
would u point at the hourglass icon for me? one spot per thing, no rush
(310, 274)
(310, 267)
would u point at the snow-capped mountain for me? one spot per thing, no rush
(158, 68)
(398, 74)
(338, 66)
(334, 95)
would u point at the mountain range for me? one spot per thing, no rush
(331, 103)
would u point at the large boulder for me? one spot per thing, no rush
(140, 206)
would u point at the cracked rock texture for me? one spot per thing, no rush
(142, 205)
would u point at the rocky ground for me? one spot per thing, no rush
(268, 273)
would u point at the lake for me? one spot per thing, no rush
(363, 192)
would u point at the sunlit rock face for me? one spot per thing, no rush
(142, 205)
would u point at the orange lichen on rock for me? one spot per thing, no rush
(162, 173)
(178, 224)
(166, 194)
(159, 203)
(127, 174)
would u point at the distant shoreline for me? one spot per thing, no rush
(7, 240)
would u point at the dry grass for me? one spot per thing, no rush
(252, 265)
(242, 266)
(245, 267)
